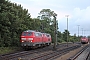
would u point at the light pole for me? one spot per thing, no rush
(82, 32)
(78, 32)
(67, 28)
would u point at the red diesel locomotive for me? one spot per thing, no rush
(84, 40)
(30, 39)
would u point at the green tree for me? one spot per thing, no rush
(65, 35)
(47, 23)
(59, 37)
(13, 20)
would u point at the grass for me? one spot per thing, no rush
(5, 50)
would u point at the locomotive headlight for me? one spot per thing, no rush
(30, 38)
(22, 41)
(23, 38)
(31, 41)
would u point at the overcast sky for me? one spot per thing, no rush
(78, 11)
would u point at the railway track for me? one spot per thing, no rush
(88, 57)
(17, 54)
(83, 54)
(54, 54)
(32, 53)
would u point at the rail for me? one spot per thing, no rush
(79, 53)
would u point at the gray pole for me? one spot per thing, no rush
(78, 32)
(54, 15)
(56, 30)
(67, 29)
(55, 33)
(82, 32)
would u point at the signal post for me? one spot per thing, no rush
(55, 31)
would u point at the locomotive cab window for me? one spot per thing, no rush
(26, 33)
(36, 34)
(40, 34)
(29, 33)
(48, 35)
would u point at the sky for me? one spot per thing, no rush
(78, 11)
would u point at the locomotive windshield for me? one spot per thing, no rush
(26, 33)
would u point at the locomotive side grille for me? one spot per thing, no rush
(30, 38)
(23, 38)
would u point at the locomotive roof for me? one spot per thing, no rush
(36, 31)
(30, 31)
(45, 33)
